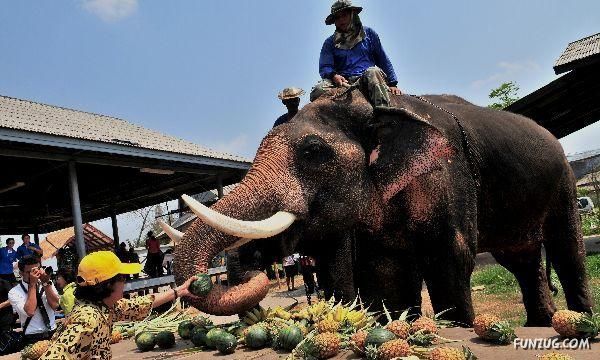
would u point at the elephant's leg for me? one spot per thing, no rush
(335, 268)
(564, 244)
(388, 275)
(530, 273)
(447, 268)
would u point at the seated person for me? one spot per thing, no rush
(354, 54)
(290, 97)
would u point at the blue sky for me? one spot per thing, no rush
(209, 71)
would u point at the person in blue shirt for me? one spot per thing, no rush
(28, 248)
(354, 54)
(290, 97)
(8, 256)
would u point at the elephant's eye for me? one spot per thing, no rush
(314, 149)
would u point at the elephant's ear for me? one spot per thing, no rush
(407, 145)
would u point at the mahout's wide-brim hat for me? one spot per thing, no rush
(340, 5)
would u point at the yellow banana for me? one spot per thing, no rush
(256, 312)
(253, 317)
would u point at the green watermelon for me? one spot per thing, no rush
(211, 335)
(256, 337)
(203, 321)
(225, 343)
(145, 341)
(165, 339)
(185, 329)
(378, 336)
(198, 336)
(290, 337)
(202, 286)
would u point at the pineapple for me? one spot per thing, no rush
(570, 323)
(450, 353)
(358, 342)
(327, 325)
(323, 346)
(393, 349)
(555, 356)
(35, 351)
(490, 327)
(115, 337)
(400, 328)
(424, 325)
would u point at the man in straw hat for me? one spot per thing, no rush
(290, 97)
(354, 54)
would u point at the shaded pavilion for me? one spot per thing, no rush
(64, 168)
(572, 101)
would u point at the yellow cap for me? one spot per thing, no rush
(101, 266)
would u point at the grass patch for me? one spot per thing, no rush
(496, 279)
(502, 294)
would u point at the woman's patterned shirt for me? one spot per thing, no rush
(86, 332)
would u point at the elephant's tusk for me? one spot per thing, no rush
(174, 234)
(272, 226)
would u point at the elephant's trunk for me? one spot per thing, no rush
(257, 197)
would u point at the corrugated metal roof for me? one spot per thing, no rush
(583, 155)
(578, 50)
(35, 117)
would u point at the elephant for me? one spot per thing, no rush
(387, 202)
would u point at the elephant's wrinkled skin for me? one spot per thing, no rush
(413, 197)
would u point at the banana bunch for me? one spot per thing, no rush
(301, 315)
(338, 313)
(357, 318)
(279, 312)
(254, 316)
(318, 310)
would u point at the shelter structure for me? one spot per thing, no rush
(572, 101)
(64, 167)
(95, 240)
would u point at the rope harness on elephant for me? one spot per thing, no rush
(467, 148)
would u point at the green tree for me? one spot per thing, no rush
(504, 95)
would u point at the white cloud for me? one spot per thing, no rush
(508, 71)
(111, 10)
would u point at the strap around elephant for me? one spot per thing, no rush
(467, 148)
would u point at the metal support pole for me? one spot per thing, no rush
(220, 186)
(36, 236)
(76, 211)
(115, 229)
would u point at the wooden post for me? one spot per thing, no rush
(115, 229)
(220, 186)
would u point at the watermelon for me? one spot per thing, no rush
(145, 341)
(202, 286)
(211, 335)
(290, 337)
(378, 336)
(256, 337)
(198, 336)
(185, 329)
(165, 339)
(225, 343)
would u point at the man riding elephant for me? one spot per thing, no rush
(353, 55)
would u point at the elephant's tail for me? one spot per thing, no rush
(551, 286)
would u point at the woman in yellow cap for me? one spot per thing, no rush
(100, 282)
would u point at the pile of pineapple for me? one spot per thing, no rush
(330, 327)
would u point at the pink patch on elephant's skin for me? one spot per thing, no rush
(374, 155)
(435, 148)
